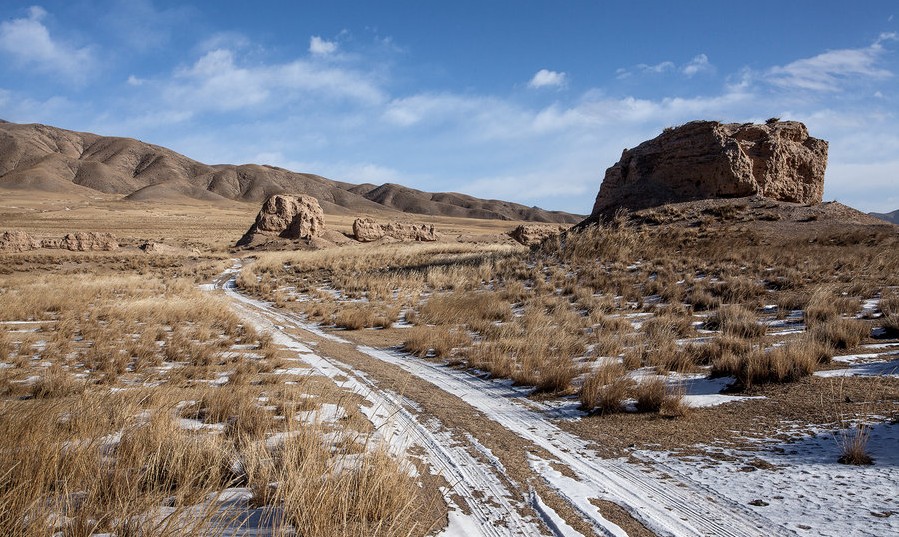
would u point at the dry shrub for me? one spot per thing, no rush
(459, 308)
(437, 341)
(668, 326)
(821, 306)
(740, 290)
(889, 306)
(650, 394)
(235, 407)
(495, 358)
(358, 316)
(706, 353)
(554, 375)
(839, 333)
(609, 243)
(325, 494)
(5, 345)
(56, 382)
(788, 363)
(702, 300)
(605, 389)
(853, 443)
(736, 321)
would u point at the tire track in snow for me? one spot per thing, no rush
(467, 476)
(666, 508)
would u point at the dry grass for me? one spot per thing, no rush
(436, 341)
(736, 321)
(358, 316)
(760, 366)
(853, 443)
(91, 449)
(839, 333)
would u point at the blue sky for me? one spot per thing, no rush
(527, 101)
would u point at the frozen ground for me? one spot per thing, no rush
(784, 489)
(804, 486)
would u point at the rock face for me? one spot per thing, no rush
(17, 241)
(708, 159)
(367, 230)
(287, 217)
(83, 241)
(531, 234)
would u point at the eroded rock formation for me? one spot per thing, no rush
(708, 159)
(17, 241)
(367, 230)
(287, 217)
(84, 241)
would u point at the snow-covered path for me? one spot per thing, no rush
(665, 506)
(468, 477)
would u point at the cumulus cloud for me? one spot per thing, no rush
(832, 70)
(321, 47)
(544, 78)
(29, 43)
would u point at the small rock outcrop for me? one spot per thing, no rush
(367, 230)
(531, 234)
(707, 159)
(287, 217)
(84, 241)
(159, 248)
(17, 241)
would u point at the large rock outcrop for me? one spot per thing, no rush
(708, 159)
(286, 217)
(367, 230)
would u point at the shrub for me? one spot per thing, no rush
(436, 340)
(605, 388)
(760, 366)
(736, 321)
(839, 333)
(650, 395)
(853, 442)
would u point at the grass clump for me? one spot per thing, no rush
(788, 363)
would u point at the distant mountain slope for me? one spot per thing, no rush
(892, 217)
(48, 158)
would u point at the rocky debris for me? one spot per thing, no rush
(367, 230)
(17, 241)
(287, 217)
(531, 234)
(708, 159)
(84, 241)
(151, 247)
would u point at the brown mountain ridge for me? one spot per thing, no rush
(41, 157)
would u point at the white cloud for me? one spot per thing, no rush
(643, 68)
(321, 47)
(698, 64)
(545, 78)
(29, 43)
(218, 82)
(832, 70)
(135, 81)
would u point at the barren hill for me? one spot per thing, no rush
(892, 217)
(47, 158)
